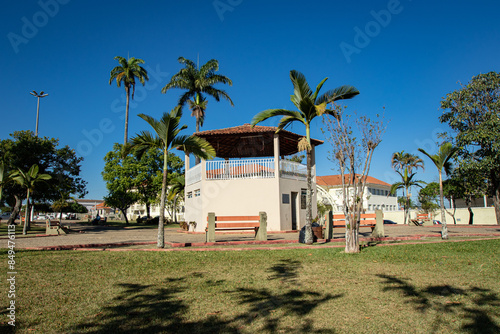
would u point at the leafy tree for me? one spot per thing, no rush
(309, 105)
(28, 180)
(121, 199)
(473, 113)
(353, 148)
(165, 138)
(198, 81)
(442, 161)
(428, 197)
(127, 72)
(24, 150)
(141, 175)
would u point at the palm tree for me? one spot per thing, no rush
(405, 162)
(442, 161)
(309, 105)
(127, 72)
(406, 183)
(176, 190)
(165, 138)
(28, 180)
(198, 81)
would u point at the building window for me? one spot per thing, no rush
(190, 194)
(197, 193)
(285, 198)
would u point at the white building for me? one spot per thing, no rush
(376, 195)
(249, 175)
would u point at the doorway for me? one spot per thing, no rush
(294, 210)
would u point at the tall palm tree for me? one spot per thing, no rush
(166, 137)
(405, 163)
(198, 81)
(406, 183)
(28, 180)
(198, 105)
(309, 105)
(442, 161)
(127, 72)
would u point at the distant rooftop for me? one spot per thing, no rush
(335, 180)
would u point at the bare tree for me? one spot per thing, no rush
(352, 149)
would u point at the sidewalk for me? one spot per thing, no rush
(102, 236)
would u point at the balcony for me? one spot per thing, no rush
(246, 169)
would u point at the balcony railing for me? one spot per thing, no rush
(246, 169)
(193, 175)
(240, 169)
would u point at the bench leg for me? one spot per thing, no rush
(261, 233)
(210, 233)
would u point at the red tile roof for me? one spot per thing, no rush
(247, 141)
(335, 180)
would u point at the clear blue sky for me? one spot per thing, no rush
(406, 62)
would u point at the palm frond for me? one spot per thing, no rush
(340, 93)
(265, 114)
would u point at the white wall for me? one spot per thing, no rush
(482, 216)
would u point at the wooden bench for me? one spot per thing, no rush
(53, 227)
(422, 219)
(236, 223)
(373, 220)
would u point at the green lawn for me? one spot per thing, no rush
(425, 288)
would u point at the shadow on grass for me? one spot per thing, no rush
(477, 305)
(164, 307)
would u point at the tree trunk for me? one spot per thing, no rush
(148, 210)
(127, 93)
(444, 231)
(496, 203)
(26, 215)
(15, 211)
(196, 159)
(351, 234)
(308, 237)
(161, 222)
(471, 215)
(124, 213)
(175, 209)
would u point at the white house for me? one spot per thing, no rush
(249, 175)
(376, 195)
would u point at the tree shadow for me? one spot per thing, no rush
(161, 308)
(285, 270)
(142, 308)
(480, 316)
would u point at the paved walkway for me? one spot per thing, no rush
(93, 236)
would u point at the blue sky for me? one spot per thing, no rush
(402, 55)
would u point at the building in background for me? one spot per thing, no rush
(375, 197)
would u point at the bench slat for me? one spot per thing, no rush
(237, 225)
(236, 218)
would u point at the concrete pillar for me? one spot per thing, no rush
(276, 145)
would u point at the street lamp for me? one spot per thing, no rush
(34, 93)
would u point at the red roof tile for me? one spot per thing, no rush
(335, 180)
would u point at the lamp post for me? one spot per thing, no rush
(34, 93)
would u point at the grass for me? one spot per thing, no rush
(431, 288)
